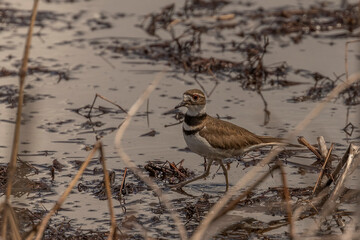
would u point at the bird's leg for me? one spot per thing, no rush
(225, 174)
(205, 174)
(205, 164)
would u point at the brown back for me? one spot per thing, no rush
(225, 135)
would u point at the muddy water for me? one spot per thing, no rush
(71, 41)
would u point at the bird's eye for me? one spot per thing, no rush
(195, 97)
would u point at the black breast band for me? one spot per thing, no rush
(194, 120)
(191, 132)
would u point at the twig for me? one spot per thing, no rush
(201, 86)
(67, 191)
(322, 147)
(107, 61)
(123, 182)
(287, 201)
(216, 82)
(180, 163)
(266, 111)
(104, 98)
(323, 167)
(303, 141)
(16, 138)
(118, 139)
(176, 169)
(108, 193)
(147, 112)
(97, 137)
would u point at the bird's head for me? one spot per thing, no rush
(195, 101)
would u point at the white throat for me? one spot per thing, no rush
(195, 110)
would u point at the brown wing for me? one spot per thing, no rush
(225, 135)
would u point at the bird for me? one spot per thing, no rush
(213, 138)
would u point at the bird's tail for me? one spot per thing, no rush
(268, 139)
(274, 141)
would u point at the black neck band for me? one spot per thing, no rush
(194, 120)
(191, 132)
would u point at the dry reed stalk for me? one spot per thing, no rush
(176, 169)
(214, 211)
(322, 147)
(123, 182)
(61, 200)
(351, 164)
(22, 75)
(16, 138)
(304, 142)
(323, 167)
(353, 160)
(118, 138)
(8, 213)
(287, 201)
(335, 174)
(108, 193)
(15, 233)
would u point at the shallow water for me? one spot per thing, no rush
(73, 42)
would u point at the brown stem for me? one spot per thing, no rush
(16, 139)
(108, 193)
(287, 201)
(323, 167)
(303, 141)
(123, 182)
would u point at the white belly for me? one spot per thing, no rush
(199, 145)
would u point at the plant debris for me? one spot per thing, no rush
(169, 172)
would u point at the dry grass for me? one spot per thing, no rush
(7, 211)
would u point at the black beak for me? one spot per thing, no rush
(182, 104)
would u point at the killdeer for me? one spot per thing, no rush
(215, 139)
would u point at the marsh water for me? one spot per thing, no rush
(72, 59)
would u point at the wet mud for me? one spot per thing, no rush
(89, 63)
